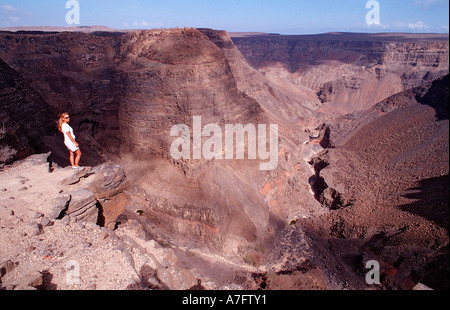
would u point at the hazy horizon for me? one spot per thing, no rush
(283, 17)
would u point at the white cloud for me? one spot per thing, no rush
(9, 8)
(417, 26)
(379, 26)
(144, 23)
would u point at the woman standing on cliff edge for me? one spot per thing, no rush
(69, 141)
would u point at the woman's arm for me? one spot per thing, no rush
(72, 139)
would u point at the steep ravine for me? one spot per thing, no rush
(387, 195)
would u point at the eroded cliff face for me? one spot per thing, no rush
(23, 116)
(72, 72)
(229, 204)
(347, 72)
(169, 77)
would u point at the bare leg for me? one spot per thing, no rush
(77, 159)
(72, 159)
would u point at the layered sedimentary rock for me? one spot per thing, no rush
(114, 82)
(288, 109)
(347, 72)
(172, 76)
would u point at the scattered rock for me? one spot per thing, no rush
(37, 215)
(45, 222)
(66, 220)
(6, 267)
(32, 280)
(33, 229)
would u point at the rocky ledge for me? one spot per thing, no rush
(58, 230)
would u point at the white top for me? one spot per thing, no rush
(65, 129)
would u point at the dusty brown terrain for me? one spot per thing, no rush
(387, 175)
(348, 187)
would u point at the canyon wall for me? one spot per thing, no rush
(73, 72)
(347, 71)
(23, 116)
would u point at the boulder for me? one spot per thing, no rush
(83, 206)
(100, 198)
(76, 177)
(33, 229)
(108, 185)
(6, 267)
(32, 280)
(108, 180)
(61, 204)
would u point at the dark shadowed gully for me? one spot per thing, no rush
(361, 173)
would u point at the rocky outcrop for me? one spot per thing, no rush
(100, 199)
(43, 249)
(314, 152)
(323, 188)
(94, 195)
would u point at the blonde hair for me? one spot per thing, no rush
(60, 121)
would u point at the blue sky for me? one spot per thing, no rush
(281, 16)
